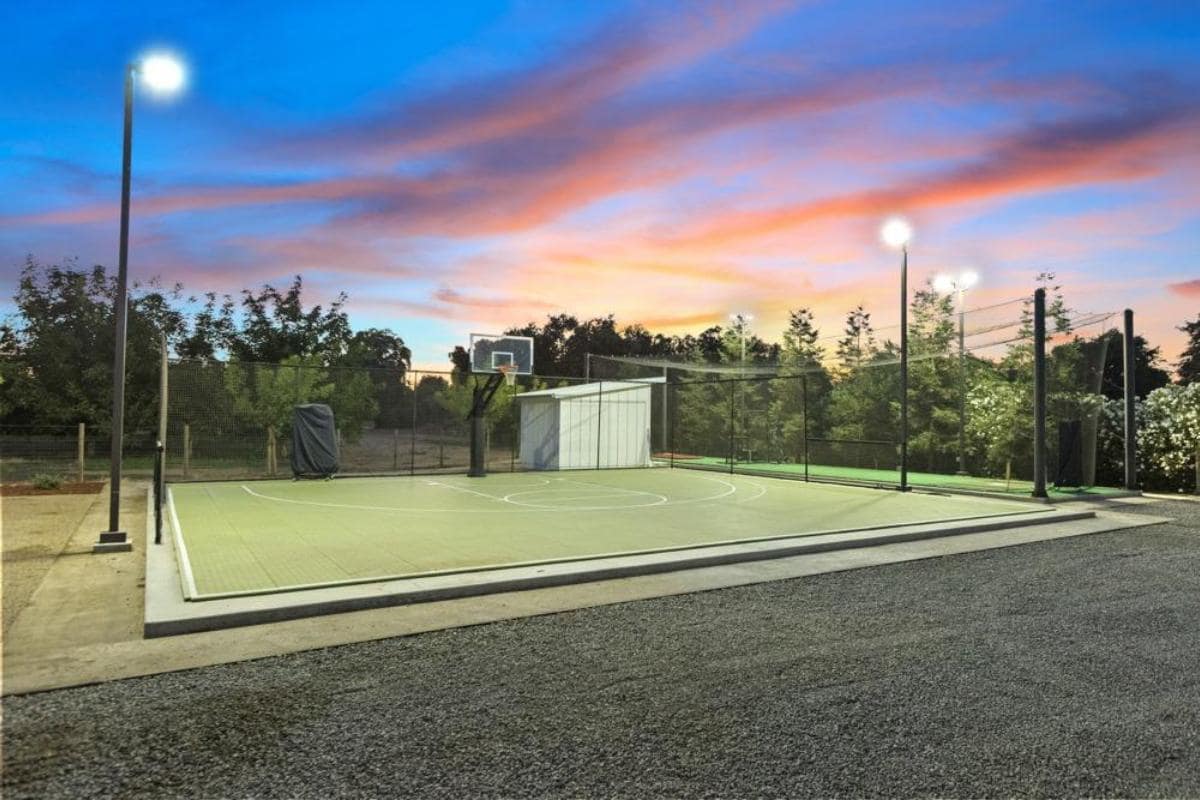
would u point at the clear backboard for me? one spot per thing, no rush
(490, 352)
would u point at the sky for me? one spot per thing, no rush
(473, 166)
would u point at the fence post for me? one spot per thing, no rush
(804, 417)
(1131, 460)
(1039, 393)
(162, 406)
(395, 449)
(665, 412)
(732, 429)
(270, 449)
(80, 438)
(673, 425)
(187, 450)
(599, 420)
(412, 431)
(158, 491)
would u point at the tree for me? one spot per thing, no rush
(934, 381)
(461, 360)
(801, 395)
(1189, 360)
(264, 395)
(383, 357)
(1109, 348)
(59, 365)
(858, 342)
(276, 326)
(864, 403)
(550, 344)
(213, 329)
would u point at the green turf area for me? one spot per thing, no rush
(892, 477)
(266, 536)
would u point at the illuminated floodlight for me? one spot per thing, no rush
(162, 73)
(896, 232)
(948, 284)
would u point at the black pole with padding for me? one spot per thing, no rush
(480, 400)
(1131, 460)
(1039, 393)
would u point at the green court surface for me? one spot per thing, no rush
(887, 477)
(267, 536)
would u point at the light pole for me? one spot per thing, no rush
(959, 284)
(897, 233)
(163, 75)
(740, 320)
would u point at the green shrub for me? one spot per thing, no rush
(46, 481)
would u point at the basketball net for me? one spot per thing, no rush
(509, 372)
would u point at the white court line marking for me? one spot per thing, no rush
(466, 490)
(181, 553)
(622, 493)
(520, 507)
(352, 506)
(761, 491)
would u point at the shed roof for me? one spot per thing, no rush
(588, 389)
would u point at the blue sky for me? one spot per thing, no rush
(472, 166)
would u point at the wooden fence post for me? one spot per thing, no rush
(187, 450)
(80, 447)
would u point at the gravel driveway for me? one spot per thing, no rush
(1064, 668)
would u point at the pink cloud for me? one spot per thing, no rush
(1186, 288)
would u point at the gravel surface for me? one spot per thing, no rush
(1065, 668)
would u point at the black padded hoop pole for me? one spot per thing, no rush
(481, 399)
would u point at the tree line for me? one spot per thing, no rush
(56, 350)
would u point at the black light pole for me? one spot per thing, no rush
(115, 539)
(1039, 393)
(962, 382)
(1131, 459)
(959, 284)
(904, 367)
(162, 73)
(897, 233)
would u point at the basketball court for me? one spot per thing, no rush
(246, 552)
(271, 536)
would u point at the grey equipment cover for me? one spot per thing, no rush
(314, 441)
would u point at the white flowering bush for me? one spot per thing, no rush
(1170, 435)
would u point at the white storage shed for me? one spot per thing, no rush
(588, 426)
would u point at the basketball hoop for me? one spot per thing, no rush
(509, 371)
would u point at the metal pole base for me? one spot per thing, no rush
(113, 542)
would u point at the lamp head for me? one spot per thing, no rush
(896, 233)
(968, 279)
(162, 73)
(943, 284)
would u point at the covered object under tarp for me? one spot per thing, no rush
(314, 441)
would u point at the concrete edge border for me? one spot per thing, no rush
(167, 613)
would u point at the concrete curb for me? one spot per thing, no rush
(167, 613)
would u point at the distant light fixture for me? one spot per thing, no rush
(162, 73)
(948, 284)
(896, 232)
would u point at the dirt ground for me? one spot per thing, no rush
(33, 531)
(29, 490)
